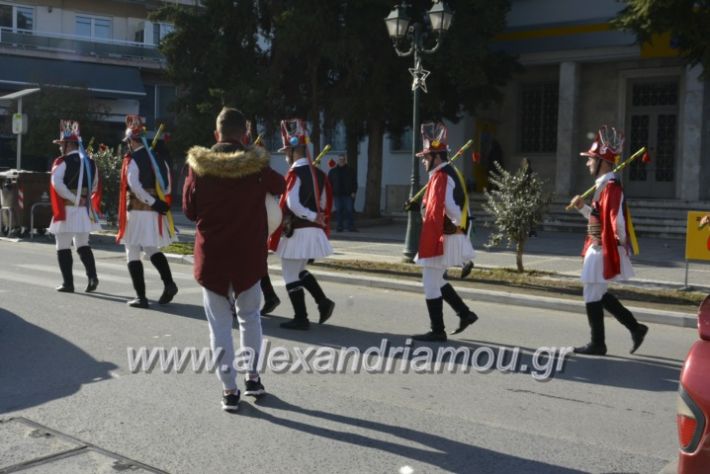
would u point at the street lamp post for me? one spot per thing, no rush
(399, 29)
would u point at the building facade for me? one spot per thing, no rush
(107, 47)
(579, 73)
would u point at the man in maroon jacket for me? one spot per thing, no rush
(224, 193)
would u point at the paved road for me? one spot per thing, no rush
(63, 364)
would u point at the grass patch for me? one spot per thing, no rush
(181, 248)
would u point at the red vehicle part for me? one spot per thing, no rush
(693, 415)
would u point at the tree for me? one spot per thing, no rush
(45, 109)
(373, 92)
(215, 57)
(108, 163)
(517, 203)
(686, 20)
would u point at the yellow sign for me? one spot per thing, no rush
(697, 240)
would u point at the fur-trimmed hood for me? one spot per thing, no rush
(227, 164)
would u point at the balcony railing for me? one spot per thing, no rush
(79, 45)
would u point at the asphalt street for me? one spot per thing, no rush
(64, 365)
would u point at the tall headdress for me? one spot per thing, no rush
(68, 131)
(293, 133)
(608, 144)
(135, 128)
(434, 138)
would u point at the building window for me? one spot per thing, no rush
(160, 31)
(538, 118)
(93, 27)
(16, 17)
(335, 137)
(401, 142)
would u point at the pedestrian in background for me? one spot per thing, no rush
(344, 182)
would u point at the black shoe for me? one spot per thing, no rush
(93, 283)
(465, 321)
(591, 349)
(64, 288)
(431, 336)
(637, 336)
(255, 388)
(466, 269)
(169, 292)
(230, 402)
(325, 310)
(302, 324)
(270, 304)
(138, 303)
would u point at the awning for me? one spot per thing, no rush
(101, 80)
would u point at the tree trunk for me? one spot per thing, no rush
(315, 110)
(352, 142)
(519, 247)
(375, 131)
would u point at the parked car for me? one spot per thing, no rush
(693, 415)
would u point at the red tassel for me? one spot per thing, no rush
(476, 157)
(645, 158)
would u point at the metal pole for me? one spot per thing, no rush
(411, 242)
(19, 136)
(687, 264)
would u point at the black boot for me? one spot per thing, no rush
(65, 266)
(87, 258)
(271, 301)
(625, 317)
(135, 268)
(466, 269)
(466, 316)
(170, 289)
(325, 305)
(436, 316)
(595, 316)
(298, 300)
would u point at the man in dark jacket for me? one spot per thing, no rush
(344, 182)
(224, 193)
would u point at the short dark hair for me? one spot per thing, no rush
(231, 123)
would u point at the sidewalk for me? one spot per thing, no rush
(660, 263)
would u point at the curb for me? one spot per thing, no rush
(646, 315)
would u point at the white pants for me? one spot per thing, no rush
(594, 291)
(133, 252)
(291, 269)
(63, 240)
(219, 316)
(433, 280)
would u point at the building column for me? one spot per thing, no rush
(567, 111)
(691, 128)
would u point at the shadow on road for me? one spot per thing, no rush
(37, 366)
(448, 454)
